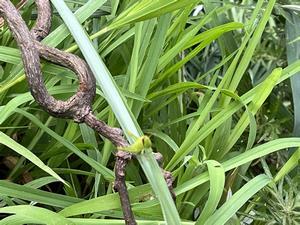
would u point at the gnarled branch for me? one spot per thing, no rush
(79, 106)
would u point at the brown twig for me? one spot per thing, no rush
(120, 185)
(167, 175)
(79, 106)
(19, 6)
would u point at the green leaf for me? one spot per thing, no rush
(119, 222)
(39, 215)
(120, 109)
(147, 9)
(35, 195)
(293, 162)
(231, 206)
(108, 174)
(217, 182)
(259, 98)
(107, 202)
(12, 144)
(248, 156)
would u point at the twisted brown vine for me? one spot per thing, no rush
(79, 106)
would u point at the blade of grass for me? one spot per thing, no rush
(12, 144)
(108, 174)
(107, 202)
(241, 159)
(146, 9)
(31, 194)
(192, 139)
(253, 42)
(292, 51)
(121, 111)
(292, 163)
(148, 69)
(259, 98)
(39, 215)
(16, 220)
(118, 222)
(217, 182)
(229, 208)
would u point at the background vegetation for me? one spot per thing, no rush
(215, 85)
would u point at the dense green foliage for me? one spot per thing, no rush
(211, 87)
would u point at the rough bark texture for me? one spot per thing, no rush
(79, 106)
(43, 22)
(120, 185)
(115, 135)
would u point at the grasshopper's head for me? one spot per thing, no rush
(146, 142)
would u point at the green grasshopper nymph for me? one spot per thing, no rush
(139, 145)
